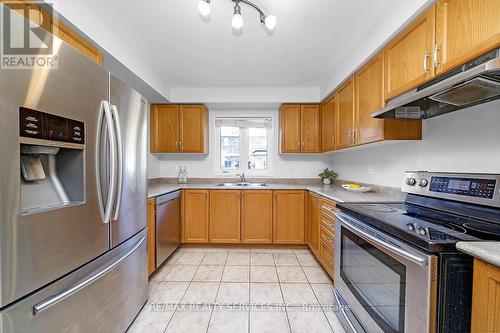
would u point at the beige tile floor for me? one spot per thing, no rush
(219, 290)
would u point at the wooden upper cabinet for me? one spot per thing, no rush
(32, 11)
(257, 216)
(369, 98)
(151, 236)
(195, 216)
(465, 29)
(225, 216)
(310, 128)
(193, 129)
(313, 222)
(164, 128)
(300, 128)
(485, 298)
(328, 112)
(408, 59)
(344, 133)
(289, 214)
(290, 125)
(179, 128)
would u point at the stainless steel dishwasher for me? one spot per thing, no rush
(168, 225)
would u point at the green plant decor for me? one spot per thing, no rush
(328, 174)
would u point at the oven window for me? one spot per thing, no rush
(376, 280)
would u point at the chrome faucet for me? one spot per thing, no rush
(242, 177)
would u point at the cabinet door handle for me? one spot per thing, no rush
(333, 141)
(426, 56)
(353, 136)
(435, 55)
(180, 145)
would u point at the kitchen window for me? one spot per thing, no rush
(243, 145)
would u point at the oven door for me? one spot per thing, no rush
(387, 285)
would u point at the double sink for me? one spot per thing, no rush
(241, 184)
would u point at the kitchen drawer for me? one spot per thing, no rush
(327, 207)
(328, 222)
(326, 236)
(326, 257)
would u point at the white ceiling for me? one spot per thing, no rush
(167, 43)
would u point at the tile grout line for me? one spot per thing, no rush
(184, 294)
(217, 293)
(283, 296)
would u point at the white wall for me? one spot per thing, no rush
(202, 166)
(463, 141)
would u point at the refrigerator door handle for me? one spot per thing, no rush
(105, 113)
(52, 300)
(119, 145)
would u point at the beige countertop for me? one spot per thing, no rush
(334, 192)
(486, 251)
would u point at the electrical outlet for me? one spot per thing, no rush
(290, 171)
(370, 169)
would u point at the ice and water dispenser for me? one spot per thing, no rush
(52, 151)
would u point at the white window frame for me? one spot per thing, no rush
(218, 171)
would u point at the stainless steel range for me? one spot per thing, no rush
(396, 265)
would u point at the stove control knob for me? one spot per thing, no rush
(411, 181)
(423, 182)
(411, 227)
(421, 231)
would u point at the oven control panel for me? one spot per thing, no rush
(40, 125)
(474, 188)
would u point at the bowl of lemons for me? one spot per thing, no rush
(356, 188)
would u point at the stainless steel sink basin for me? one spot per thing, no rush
(241, 185)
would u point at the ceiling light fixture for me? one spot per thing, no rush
(204, 7)
(237, 22)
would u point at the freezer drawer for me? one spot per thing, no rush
(113, 289)
(168, 225)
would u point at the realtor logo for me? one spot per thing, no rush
(27, 40)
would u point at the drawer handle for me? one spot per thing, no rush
(328, 208)
(330, 225)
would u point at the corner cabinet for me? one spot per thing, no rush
(289, 217)
(485, 298)
(465, 29)
(369, 97)
(179, 128)
(151, 236)
(300, 128)
(313, 222)
(328, 114)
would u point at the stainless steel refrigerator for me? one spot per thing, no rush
(73, 254)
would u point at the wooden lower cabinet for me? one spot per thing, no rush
(326, 255)
(257, 217)
(289, 217)
(151, 236)
(485, 298)
(195, 216)
(225, 207)
(313, 212)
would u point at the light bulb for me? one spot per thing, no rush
(270, 22)
(204, 7)
(237, 21)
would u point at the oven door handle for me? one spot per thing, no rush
(411, 257)
(342, 310)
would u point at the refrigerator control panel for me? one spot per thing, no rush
(45, 126)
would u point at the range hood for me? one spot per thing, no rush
(475, 82)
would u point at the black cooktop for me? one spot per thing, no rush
(428, 228)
